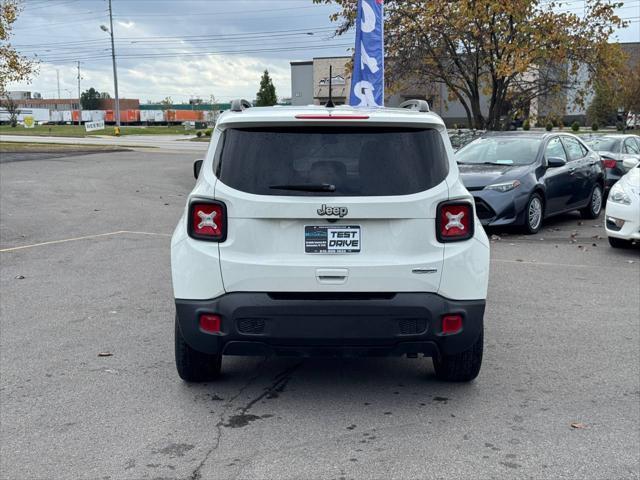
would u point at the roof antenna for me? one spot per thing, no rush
(330, 104)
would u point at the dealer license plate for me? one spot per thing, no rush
(332, 239)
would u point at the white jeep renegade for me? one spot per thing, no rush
(329, 231)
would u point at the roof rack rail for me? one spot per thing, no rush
(239, 104)
(419, 105)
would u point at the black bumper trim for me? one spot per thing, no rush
(396, 324)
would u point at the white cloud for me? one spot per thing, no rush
(127, 25)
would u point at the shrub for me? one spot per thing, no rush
(549, 126)
(208, 132)
(575, 126)
(526, 125)
(594, 126)
(560, 125)
(619, 126)
(199, 133)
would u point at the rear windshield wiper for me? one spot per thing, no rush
(313, 187)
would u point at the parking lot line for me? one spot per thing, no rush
(86, 237)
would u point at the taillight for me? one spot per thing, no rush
(210, 323)
(609, 162)
(451, 324)
(208, 220)
(454, 221)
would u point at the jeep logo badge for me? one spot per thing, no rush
(339, 211)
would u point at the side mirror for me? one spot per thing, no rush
(197, 165)
(555, 162)
(630, 162)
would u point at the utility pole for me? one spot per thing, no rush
(79, 102)
(115, 70)
(58, 80)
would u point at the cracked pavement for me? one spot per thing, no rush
(562, 347)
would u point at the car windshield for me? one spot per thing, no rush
(335, 161)
(605, 144)
(500, 151)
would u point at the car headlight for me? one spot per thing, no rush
(503, 187)
(618, 195)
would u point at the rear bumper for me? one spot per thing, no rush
(332, 324)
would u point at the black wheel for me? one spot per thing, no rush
(462, 367)
(619, 242)
(534, 213)
(194, 366)
(593, 209)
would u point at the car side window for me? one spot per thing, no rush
(574, 149)
(631, 146)
(555, 149)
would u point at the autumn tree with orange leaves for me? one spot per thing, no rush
(13, 66)
(511, 51)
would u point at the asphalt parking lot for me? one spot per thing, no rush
(558, 395)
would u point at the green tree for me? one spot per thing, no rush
(604, 106)
(266, 96)
(90, 99)
(13, 66)
(509, 51)
(166, 103)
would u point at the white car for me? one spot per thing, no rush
(623, 207)
(330, 232)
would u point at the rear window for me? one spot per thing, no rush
(606, 144)
(348, 161)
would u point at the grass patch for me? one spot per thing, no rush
(12, 147)
(76, 131)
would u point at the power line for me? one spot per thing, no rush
(146, 39)
(200, 14)
(197, 54)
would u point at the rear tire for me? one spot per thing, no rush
(194, 366)
(461, 367)
(594, 208)
(619, 242)
(533, 214)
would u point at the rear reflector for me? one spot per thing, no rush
(208, 220)
(609, 162)
(451, 324)
(454, 221)
(210, 323)
(313, 116)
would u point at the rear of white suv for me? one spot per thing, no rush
(329, 231)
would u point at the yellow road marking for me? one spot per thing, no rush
(86, 237)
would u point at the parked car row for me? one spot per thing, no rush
(614, 149)
(522, 178)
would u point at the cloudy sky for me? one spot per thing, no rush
(186, 48)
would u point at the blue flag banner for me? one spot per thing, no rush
(367, 81)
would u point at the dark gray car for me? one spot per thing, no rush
(523, 178)
(614, 149)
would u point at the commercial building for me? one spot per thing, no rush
(309, 85)
(310, 81)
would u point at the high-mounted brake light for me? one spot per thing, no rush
(208, 220)
(314, 116)
(454, 221)
(609, 162)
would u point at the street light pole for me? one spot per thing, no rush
(113, 58)
(79, 97)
